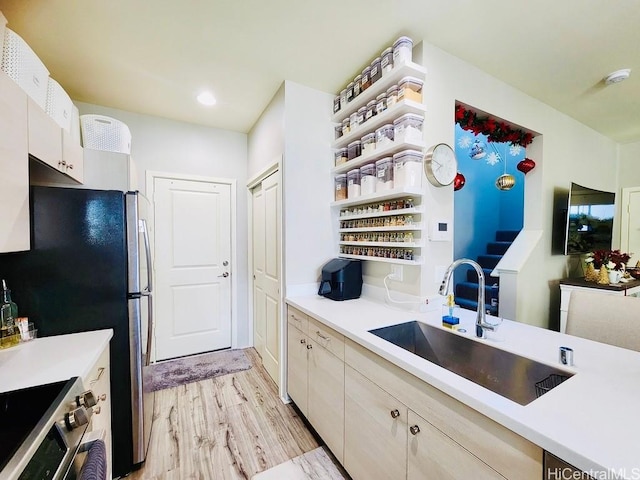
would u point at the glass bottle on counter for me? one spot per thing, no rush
(9, 335)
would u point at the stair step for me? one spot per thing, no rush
(473, 305)
(469, 290)
(489, 261)
(498, 248)
(506, 235)
(472, 276)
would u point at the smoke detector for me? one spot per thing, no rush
(617, 76)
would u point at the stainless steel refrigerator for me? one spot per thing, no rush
(90, 268)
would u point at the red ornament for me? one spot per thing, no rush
(526, 165)
(458, 182)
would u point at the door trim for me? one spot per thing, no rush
(624, 217)
(275, 166)
(151, 175)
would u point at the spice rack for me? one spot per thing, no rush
(366, 242)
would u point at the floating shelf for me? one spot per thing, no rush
(388, 116)
(404, 228)
(381, 259)
(386, 213)
(378, 153)
(384, 244)
(408, 69)
(379, 196)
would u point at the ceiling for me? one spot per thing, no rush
(153, 57)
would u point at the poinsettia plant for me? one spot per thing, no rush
(612, 259)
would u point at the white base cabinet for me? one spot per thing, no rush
(315, 377)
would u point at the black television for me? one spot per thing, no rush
(586, 221)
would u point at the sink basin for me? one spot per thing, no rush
(515, 377)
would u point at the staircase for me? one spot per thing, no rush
(467, 292)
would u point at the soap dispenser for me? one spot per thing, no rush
(9, 335)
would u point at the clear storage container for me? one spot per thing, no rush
(353, 183)
(408, 128)
(410, 88)
(371, 110)
(343, 98)
(386, 62)
(376, 71)
(384, 136)
(365, 81)
(407, 169)
(341, 156)
(354, 149)
(357, 85)
(350, 92)
(384, 174)
(381, 103)
(346, 126)
(368, 179)
(340, 186)
(362, 113)
(402, 50)
(336, 104)
(392, 96)
(368, 143)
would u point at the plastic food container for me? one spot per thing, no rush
(384, 174)
(365, 81)
(341, 156)
(407, 169)
(341, 187)
(354, 149)
(338, 131)
(368, 143)
(357, 85)
(386, 62)
(336, 104)
(371, 110)
(402, 50)
(353, 183)
(392, 96)
(353, 121)
(408, 128)
(343, 98)
(381, 103)
(410, 88)
(384, 136)
(368, 179)
(346, 126)
(376, 71)
(362, 113)
(350, 91)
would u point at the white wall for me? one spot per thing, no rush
(169, 146)
(266, 137)
(567, 151)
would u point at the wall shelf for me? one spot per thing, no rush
(386, 213)
(380, 196)
(381, 259)
(376, 154)
(383, 244)
(404, 228)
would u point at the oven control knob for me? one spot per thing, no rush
(86, 399)
(77, 417)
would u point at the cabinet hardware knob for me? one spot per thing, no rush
(395, 413)
(414, 429)
(96, 410)
(309, 347)
(102, 397)
(303, 341)
(70, 166)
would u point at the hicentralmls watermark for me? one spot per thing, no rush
(610, 474)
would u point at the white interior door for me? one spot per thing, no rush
(192, 255)
(630, 231)
(266, 273)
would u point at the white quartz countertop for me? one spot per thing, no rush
(51, 359)
(592, 420)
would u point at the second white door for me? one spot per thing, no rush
(266, 273)
(192, 263)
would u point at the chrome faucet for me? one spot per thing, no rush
(481, 324)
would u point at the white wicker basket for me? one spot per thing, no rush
(24, 67)
(105, 133)
(59, 104)
(75, 125)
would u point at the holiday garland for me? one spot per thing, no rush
(495, 131)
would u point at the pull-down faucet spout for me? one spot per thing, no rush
(481, 324)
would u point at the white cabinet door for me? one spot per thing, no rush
(375, 433)
(14, 167)
(45, 140)
(434, 456)
(297, 376)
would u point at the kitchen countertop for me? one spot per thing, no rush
(51, 359)
(591, 420)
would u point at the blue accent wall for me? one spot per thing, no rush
(480, 208)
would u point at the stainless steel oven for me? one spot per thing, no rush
(45, 434)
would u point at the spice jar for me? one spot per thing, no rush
(354, 149)
(384, 136)
(341, 156)
(341, 186)
(357, 85)
(384, 174)
(392, 96)
(402, 50)
(376, 71)
(386, 62)
(353, 183)
(368, 179)
(381, 103)
(371, 110)
(365, 81)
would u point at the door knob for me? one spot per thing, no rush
(225, 275)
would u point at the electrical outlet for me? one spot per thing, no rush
(396, 273)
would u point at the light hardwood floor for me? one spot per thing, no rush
(229, 427)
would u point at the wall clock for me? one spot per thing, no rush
(440, 165)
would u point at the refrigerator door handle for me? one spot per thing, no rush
(150, 328)
(147, 250)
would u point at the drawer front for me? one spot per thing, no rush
(326, 337)
(298, 319)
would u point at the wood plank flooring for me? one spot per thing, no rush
(228, 427)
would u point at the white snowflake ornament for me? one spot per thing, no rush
(493, 158)
(514, 150)
(465, 142)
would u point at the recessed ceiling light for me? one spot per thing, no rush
(617, 76)
(206, 98)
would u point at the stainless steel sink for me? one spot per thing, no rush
(518, 378)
